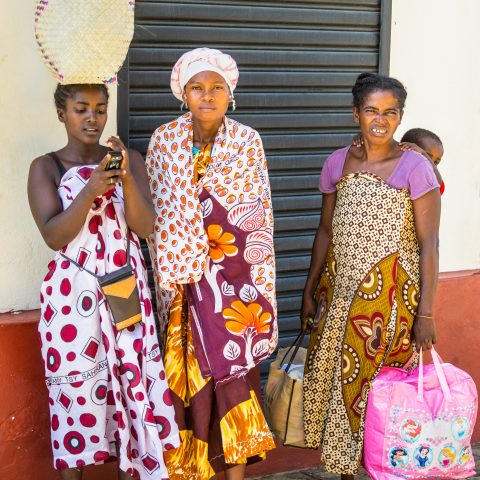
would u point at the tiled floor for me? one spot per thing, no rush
(320, 474)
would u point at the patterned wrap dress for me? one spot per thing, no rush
(220, 316)
(104, 385)
(368, 296)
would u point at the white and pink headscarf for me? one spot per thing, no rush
(201, 60)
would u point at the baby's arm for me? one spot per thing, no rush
(413, 146)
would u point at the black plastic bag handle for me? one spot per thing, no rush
(295, 345)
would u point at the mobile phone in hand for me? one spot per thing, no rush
(116, 159)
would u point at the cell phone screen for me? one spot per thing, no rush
(115, 162)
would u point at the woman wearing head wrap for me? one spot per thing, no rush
(212, 255)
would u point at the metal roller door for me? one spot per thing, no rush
(298, 61)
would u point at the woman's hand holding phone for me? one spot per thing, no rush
(113, 168)
(102, 180)
(117, 149)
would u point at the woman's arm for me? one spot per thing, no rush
(58, 227)
(426, 210)
(139, 211)
(322, 241)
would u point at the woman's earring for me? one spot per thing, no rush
(184, 105)
(234, 104)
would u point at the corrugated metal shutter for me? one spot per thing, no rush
(298, 61)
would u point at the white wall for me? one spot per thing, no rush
(28, 128)
(435, 52)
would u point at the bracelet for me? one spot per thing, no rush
(424, 316)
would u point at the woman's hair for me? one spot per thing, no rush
(367, 83)
(62, 92)
(415, 135)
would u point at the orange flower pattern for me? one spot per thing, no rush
(221, 243)
(242, 430)
(241, 318)
(239, 265)
(227, 304)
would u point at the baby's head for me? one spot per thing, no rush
(427, 140)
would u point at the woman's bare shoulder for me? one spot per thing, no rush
(43, 165)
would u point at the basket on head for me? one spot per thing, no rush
(84, 41)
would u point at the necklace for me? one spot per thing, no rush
(202, 159)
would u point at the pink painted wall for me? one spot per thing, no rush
(25, 451)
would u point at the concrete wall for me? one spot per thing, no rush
(28, 128)
(435, 53)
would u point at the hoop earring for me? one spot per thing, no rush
(184, 105)
(234, 104)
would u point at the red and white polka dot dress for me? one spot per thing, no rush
(104, 385)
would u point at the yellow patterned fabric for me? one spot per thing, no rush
(220, 427)
(202, 160)
(368, 294)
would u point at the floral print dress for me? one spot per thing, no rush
(221, 312)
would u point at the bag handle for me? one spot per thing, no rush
(81, 267)
(411, 361)
(295, 345)
(298, 341)
(437, 362)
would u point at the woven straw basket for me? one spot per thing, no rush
(84, 41)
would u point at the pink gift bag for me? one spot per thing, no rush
(419, 424)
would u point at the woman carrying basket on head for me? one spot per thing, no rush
(107, 388)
